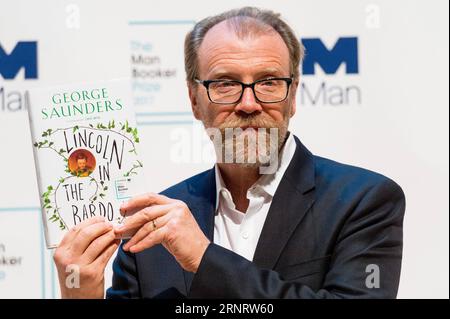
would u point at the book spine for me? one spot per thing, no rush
(48, 238)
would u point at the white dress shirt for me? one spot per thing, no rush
(238, 231)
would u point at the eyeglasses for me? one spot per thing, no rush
(271, 90)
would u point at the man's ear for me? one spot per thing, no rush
(294, 87)
(192, 88)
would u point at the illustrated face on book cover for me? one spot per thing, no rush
(81, 163)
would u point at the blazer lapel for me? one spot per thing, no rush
(202, 203)
(291, 201)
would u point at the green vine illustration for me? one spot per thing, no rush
(55, 217)
(48, 144)
(49, 196)
(103, 189)
(136, 165)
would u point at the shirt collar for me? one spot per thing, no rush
(267, 182)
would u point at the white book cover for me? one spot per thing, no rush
(86, 150)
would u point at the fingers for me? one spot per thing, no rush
(105, 256)
(154, 238)
(143, 217)
(146, 230)
(71, 234)
(88, 234)
(139, 202)
(98, 246)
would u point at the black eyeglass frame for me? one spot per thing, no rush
(206, 84)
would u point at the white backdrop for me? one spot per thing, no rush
(393, 120)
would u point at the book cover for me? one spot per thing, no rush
(86, 151)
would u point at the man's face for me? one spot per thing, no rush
(223, 55)
(81, 162)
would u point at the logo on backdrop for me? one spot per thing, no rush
(157, 70)
(7, 262)
(23, 56)
(330, 73)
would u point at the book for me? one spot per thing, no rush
(86, 151)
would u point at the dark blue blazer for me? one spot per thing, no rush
(332, 231)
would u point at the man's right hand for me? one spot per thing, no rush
(84, 252)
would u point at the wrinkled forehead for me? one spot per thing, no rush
(242, 43)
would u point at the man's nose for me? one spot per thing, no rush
(248, 103)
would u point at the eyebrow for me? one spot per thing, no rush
(261, 73)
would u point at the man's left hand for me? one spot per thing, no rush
(162, 220)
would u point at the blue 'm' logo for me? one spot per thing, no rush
(344, 51)
(23, 55)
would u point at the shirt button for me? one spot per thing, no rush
(245, 234)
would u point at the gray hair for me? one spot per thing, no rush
(243, 21)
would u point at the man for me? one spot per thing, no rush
(313, 228)
(82, 169)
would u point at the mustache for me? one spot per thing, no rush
(249, 122)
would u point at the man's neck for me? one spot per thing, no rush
(238, 180)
